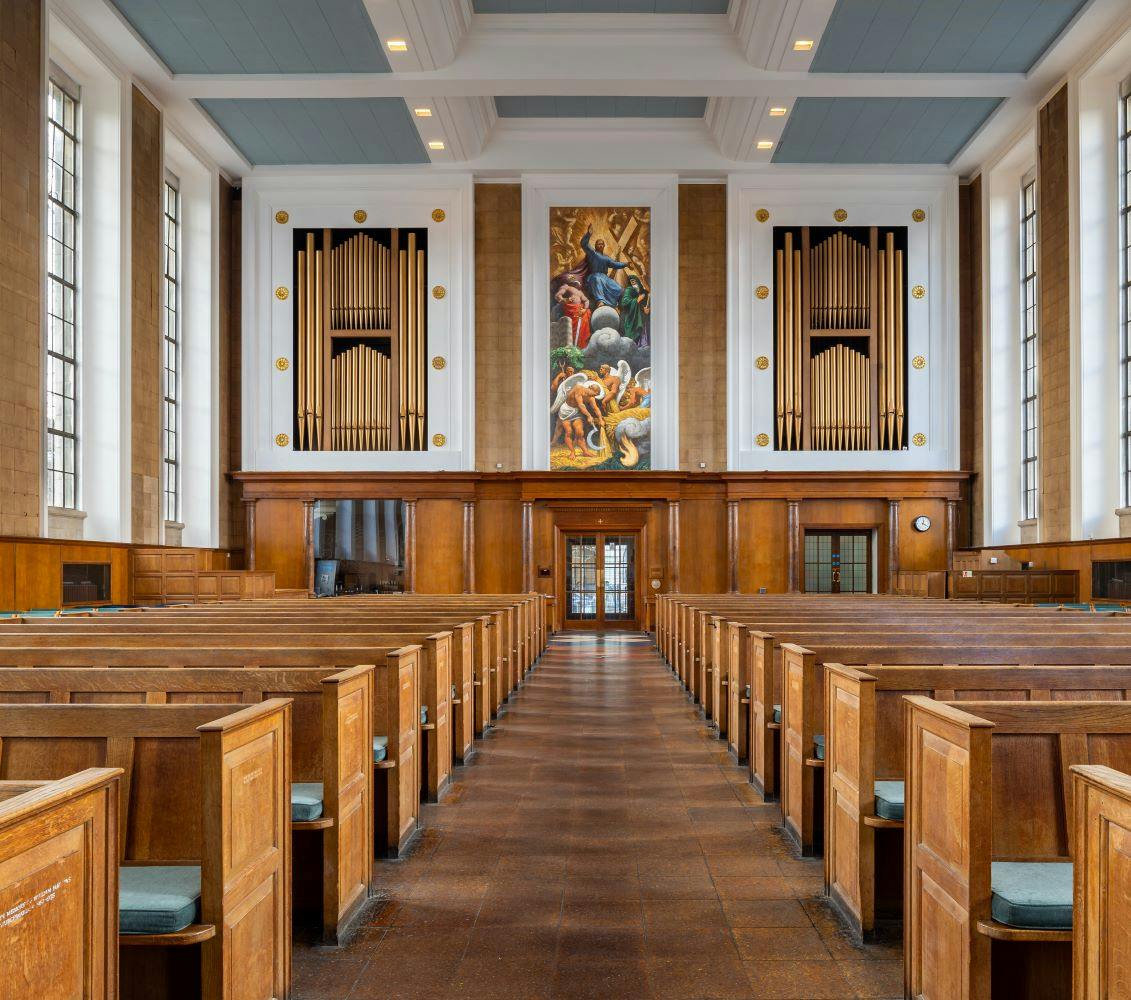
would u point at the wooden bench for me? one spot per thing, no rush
(1101, 844)
(59, 886)
(203, 785)
(989, 783)
(865, 759)
(331, 764)
(395, 714)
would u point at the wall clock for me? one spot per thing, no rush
(921, 523)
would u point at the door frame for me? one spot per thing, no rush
(873, 533)
(600, 530)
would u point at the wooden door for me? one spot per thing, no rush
(600, 580)
(838, 562)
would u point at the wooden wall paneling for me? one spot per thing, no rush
(732, 546)
(410, 565)
(702, 545)
(439, 546)
(469, 546)
(763, 546)
(545, 551)
(923, 550)
(8, 577)
(793, 539)
(893, 545)
(673, 546)
(498, 542)
(280, 543)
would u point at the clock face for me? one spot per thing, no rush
(921, 523)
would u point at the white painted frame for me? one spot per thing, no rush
(810, 198)
(316, 198)
(660, 194)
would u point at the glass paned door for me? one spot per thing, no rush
(600, 579)
(838, 562)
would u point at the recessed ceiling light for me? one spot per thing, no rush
(400, 45)
(422, 112)
(803, 45)
(765, 144)
(778, 112)
(436, 144)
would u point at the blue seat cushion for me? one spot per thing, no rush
(306, 800)
(158, 899)
(1032, 894)
(777, 714)
(889, 799)
(819, 747)
(380, 748)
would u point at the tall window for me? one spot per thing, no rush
(62, 294)
(1029, 373)
(171, 414)
(1125, 281)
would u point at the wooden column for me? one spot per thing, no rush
(410, 546)
(793, 531)
(893, 544)
(249, 534)
(732, 546)
(469, 546)
(673, 545)
(951, 531)
(308, 541)
(527, 546)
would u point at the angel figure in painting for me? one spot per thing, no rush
(577, 403)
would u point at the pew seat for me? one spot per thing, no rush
(1036, 895)
(158, 899)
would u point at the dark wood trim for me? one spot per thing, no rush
(469, 546)
(673, 545)
(732, 546)
(793, 531)
(527, 546)
(893, 545)
(951, 531)
(249, 533)
(410, 546)
(307, 542)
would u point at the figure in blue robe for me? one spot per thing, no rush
(602, 289)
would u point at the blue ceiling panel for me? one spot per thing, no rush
(292, 131)
(600, 6)
(600, 107)
(847, 130)
(940, 36)
(258, 36)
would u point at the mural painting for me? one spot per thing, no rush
(600, 339)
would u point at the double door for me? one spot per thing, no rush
(838, 562)
(600, 580)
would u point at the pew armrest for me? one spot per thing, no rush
(1003, 932)
(193, 934)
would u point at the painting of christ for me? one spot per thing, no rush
(600, 339)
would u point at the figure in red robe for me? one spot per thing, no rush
(575, 305)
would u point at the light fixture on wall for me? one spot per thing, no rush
(778, 112)
(396, 45)
(436, 144)
(422, 112)
(803, 45)
(765, 144)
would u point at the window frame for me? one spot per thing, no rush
(1123, 143)
(172, 348)
(57, 476)
(1028, 231)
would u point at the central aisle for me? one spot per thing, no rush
(601, 843)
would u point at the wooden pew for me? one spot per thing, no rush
(203, 785)
(989, 782)
(59, 886)
(1101, 834)
(864, 746)
(331, 742)
(395, 713)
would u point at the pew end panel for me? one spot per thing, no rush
(1101, 910)
(765, 733)
(801, 721)
(347, 845)
(246, 866)
(435, 693)
(850, 722)
(59, 886)
(946, 831)
(396, 716)
(738, 700)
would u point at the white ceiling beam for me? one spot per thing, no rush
(461, 123)
(767, 29)
(434, 30)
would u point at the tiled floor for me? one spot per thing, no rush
(600, 844)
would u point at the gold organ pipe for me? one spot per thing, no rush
(788, 355)
(317, 344)
(300, 339)
(897, 334)
(402, 329)
(796, 394)
(889, 286)
(422, 374)
(308, 346)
